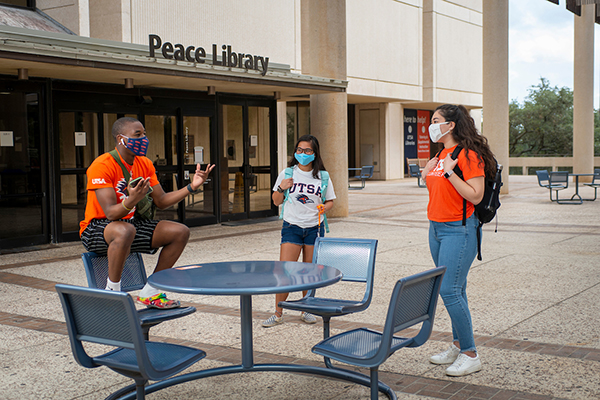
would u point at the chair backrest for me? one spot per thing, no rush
(414, 300)
(96, 269)
(559, 177)
(100, 316)
(543, 177)
(414, 170)
(596, 176)
(412, 161)
(355, 258)
(366, 171)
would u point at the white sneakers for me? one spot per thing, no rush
(308, 318)
(272, 321)
(275, 320)
(446, 357)
(462, 364)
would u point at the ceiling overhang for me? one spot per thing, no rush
(76, 58)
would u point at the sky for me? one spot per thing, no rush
(541, 45)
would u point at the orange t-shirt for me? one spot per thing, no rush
(445, 203)
(106, 173)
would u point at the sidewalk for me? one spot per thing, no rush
(534, 300)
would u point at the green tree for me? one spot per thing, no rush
(543, 124)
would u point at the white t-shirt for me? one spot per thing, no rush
(305, 195)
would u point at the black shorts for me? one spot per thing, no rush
(93, 235)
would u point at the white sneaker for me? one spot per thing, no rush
(308, 318)
(272, 321)
(446, 357)
(464, 365)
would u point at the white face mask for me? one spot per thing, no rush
(435, 132)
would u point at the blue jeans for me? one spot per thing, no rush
(455, 246)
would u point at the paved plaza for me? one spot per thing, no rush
(535, 303)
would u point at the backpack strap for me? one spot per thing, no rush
(324, 184)
(117, 158)
(289, 172)
(459, 173)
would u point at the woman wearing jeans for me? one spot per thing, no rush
(302, 211)
(451, 243)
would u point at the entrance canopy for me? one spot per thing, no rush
(69, 57)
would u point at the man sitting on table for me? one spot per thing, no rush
(110, 228)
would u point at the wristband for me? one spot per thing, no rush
(125, 207)
(189, 188)
(280, 190)
(448, 174)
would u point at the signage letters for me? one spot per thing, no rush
(193, 54)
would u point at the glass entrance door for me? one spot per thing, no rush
(23, 209)
(80, 139)
(246, 167)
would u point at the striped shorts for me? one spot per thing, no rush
(93, 235)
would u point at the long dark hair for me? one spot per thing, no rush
(317, 163)
(465, 133)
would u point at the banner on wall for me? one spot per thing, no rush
(423, 148)
(410, 133)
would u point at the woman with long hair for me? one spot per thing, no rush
(452, 243)
(302, 185)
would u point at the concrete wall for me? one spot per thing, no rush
(384, 48)
(73, 14)
(261, 27)
(452, 52)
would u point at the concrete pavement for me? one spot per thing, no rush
(533, 298)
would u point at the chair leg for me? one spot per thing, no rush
(326, 327)
(326, 333)
(122, 392)
(374, 383)
(140, 389)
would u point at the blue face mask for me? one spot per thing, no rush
(304, 159)
(139, 146)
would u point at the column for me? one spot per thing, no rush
(323, 27)
(282, 158)
(495, 81)
(583, 93)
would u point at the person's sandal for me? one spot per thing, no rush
(159, 301)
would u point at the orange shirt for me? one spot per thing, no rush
(106, 173)
(445, 203)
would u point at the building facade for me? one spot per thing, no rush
(228, 82)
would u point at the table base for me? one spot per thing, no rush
(338, 373)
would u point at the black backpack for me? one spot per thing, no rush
(485, 211)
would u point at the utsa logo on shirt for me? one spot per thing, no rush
(122, 188)
(302, 198)
(302, 188)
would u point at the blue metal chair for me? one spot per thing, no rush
(413, 301)
(543, 178)
(595, 183)
(355, 258)
(559, 180)
(553, 181)
(415, 172)
(110, 318)
(133, 278)
(366, 172)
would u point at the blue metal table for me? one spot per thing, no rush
(245, 279)
(576, 198)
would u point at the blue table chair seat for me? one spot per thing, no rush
(413, 301)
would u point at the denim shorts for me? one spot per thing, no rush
(300, 236)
